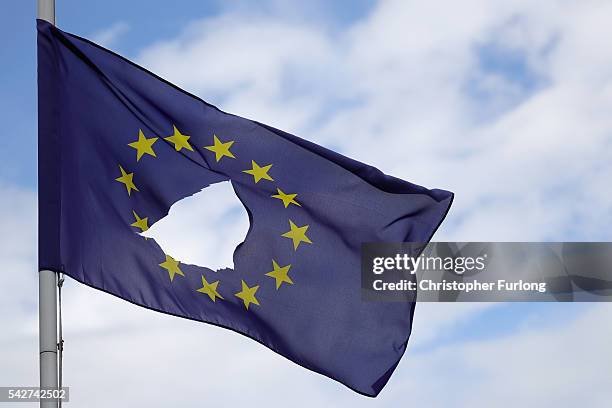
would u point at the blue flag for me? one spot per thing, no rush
(119, 145)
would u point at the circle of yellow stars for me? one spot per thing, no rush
(144, 146)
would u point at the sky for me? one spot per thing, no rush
(506, 103)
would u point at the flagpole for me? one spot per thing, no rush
(47, 323)
(47, 286)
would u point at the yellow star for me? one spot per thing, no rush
(210, 289)
(280, 274)
(172, 266)
(142, 223)
(297, 234)
(127, 179)
(221, 149)
(259, 173)
(180, 140)
(248, 295)
(287, 198)
(143, 145)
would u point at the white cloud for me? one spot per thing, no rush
(19, 263)
(562, 365)
(221, 223)
(18, 287)
(244, 59)
(109, 36)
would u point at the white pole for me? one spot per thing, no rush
(47, 324)
(47, 286)
(46, 10)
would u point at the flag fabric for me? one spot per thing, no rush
(119, 145)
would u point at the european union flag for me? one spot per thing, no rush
(118, 146)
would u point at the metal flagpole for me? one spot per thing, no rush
(47, 286)
(47, 326)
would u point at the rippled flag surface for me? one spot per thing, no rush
(118, 146)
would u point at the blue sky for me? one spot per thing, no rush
(486, 100)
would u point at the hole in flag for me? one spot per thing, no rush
(203, 229)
